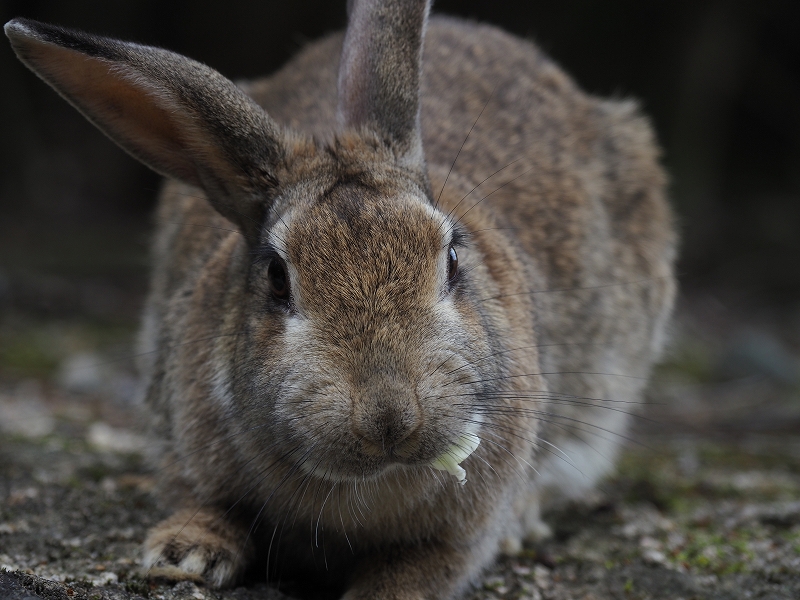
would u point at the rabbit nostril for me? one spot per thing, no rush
(386, 436)
(395, 434)
(386, 432)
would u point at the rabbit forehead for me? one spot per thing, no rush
(358, 244)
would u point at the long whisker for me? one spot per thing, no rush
(283, 480)
(550, 401)
(574, 424)
(552, 397)
(341, 518)
(534, 441)
(543, 373)
(436, 204)
(512, 455)
(576, 288)
(501, 352)
(164, 347)
(208, 500)
(484, 180)
(497, 189)
(203, 225)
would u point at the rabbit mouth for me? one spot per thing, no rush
(400, 451)
(367, 461)
(451, 459)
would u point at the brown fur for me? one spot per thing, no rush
(304, 428)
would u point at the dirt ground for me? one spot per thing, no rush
(705, 503)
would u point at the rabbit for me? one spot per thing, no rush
(402, 298)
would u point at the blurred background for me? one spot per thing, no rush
(719, 78)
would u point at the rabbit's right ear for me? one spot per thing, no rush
(179, 117)
(379, 74)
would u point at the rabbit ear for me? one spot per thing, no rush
(181, 118)
(379, 74)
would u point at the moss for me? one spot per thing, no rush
(26, 356)
(691, 359)
(138, 586)
(33, 349)
(74, 482)
(733, 456)
(95, 472)
(494, 583)
(711, 552)
(646, 475)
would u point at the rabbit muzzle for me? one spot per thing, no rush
(387, 418)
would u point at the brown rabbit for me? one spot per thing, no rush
(374, 267)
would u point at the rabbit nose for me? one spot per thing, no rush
(387, 419)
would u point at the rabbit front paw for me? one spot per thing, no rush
(199, 545)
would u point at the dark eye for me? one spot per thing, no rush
(452, 265)
(278, 280)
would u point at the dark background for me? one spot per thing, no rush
(720, 79)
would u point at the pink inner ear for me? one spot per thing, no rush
(120, 102)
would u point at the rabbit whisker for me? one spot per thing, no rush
(546, 395)
(202, 506)
(505, 429)
(167, 347)
(549, 395)
(574, 424)
(501, 352)
(518, 460)
(497, 189)
(452, 166)
(341, 518)
(543, 373)
(552, 400)
(468, 194)
(203, 225)
(319, 517)
(301, 487)
(283, 480)
(579, 288)
(536, 442)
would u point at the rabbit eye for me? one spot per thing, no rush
(452, 265)
(278, 280)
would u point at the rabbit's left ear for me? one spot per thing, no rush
(179, 117)
(379, 74)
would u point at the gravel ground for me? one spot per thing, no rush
(706, 505)
(683, 518)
